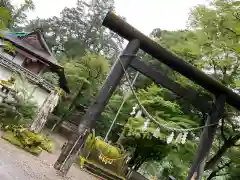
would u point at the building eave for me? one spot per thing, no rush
(54, 66)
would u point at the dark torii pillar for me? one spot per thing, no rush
(94, 111)
(207, 138)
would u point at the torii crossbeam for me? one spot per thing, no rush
(149, 46)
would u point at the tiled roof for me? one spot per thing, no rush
(44, 56)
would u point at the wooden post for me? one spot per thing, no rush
(93, 113)
(207, 139)
(44, 111)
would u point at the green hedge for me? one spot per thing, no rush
(10, 137)
(33, 143)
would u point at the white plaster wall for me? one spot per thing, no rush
(40, 95)
(5, 74)
(19, 59)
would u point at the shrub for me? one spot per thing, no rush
(27, 140)
(19, 108)
(10, 136)
(51, 77)
(47, 144)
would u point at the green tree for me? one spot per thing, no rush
(88, 71)
(211, 45)
(17, 15)
(218, 32)
(148, 144)
(78, 31)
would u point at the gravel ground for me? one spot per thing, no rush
(16, 164)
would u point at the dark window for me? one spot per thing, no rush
(33, 66)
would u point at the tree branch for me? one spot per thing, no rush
(227, 144)
(214, 173)
(232, 31)
(224, 174)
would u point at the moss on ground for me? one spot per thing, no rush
(9, 136)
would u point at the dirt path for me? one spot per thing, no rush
(16, 164)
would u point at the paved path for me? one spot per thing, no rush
(16, 164)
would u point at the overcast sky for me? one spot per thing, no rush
(145, 15)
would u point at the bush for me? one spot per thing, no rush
(19, 107)
(51, 77)
(27, 140)
(10, 136)
(47, 144)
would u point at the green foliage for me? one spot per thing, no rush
(108, 115)
(165, 112)
(78, 31)
(82, 161)
(51, 77)
(27, 140)
(28, 144)
(89, 143)
(211, 44)
(17, 15)
(4, 18)
(84, 76)
(47, 144)
(20, 108)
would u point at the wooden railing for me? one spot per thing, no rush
(12, 66)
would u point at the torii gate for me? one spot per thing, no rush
(137, 41)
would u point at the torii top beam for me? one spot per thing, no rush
(125, 30)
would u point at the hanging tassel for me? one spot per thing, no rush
(134, 110)
(170, 138)
(179, 138)
(184, 137)
(156, 133)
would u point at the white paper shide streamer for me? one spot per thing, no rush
(170, 138)
(134, 110)
(146, 123)
(156, 133)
